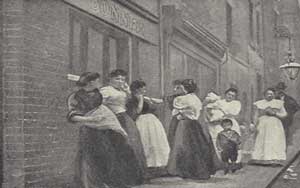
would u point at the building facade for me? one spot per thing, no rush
(42, 42)
(281, 22)
(226, 37)
(220, 44)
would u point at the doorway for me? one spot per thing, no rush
(96, 46)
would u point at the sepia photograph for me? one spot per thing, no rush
(150, 93)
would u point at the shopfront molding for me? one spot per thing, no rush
(202, 38)
(120, 16)
(140, 10)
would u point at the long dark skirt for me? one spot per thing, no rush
(134, 138)
(172, 131)
(192, 154)
(105, 157)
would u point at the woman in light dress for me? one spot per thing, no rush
(154, 138)
(192, 153)
(230, 107)
(270, 143)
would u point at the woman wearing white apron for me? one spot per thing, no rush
(270, 142)
(153, 135)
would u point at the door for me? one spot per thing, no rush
(96, 46)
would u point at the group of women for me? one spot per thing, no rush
(121, 137)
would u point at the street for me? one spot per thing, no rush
(249, 177)
(293, 182)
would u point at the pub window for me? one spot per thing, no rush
(228, 23)
(258, 27)
(251, 20)
(252, 100)
(96, 46)
(258, 86)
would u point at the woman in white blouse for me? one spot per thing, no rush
(192, 154)
(115, 97)
(270, 143)
(230, 107)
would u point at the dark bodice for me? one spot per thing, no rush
(88, 100)
(82, 101)
(132, 105)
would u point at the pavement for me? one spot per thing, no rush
(289, 179)
(249, 177)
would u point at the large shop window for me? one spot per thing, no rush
(185, 65)
(96, 46)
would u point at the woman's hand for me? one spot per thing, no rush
(125, 87)
(252, 127)
(270, 112)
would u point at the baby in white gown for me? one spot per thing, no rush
(213, 107)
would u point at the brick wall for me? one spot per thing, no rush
(50, 143)
(12, 87)
(38, 143)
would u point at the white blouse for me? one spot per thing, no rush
(275, 104)
(115, 99)
(188, 105)
(232, 107)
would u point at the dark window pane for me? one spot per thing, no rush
(229, 23)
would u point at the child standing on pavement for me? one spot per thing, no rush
(228, 143)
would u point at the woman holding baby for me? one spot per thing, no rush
(192, 153)
(217, 109)
(270, 146)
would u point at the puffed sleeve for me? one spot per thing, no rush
(106, 93)
(179, 103)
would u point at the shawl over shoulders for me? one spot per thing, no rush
(263, 104)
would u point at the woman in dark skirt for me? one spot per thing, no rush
(174, 121)
(154, 139)
(192, 153)
(105, 159)
(115, 96)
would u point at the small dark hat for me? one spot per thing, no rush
(281, 86)
(86, 77)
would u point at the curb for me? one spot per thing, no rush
(271, 183)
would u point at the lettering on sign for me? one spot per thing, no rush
(120, 16)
